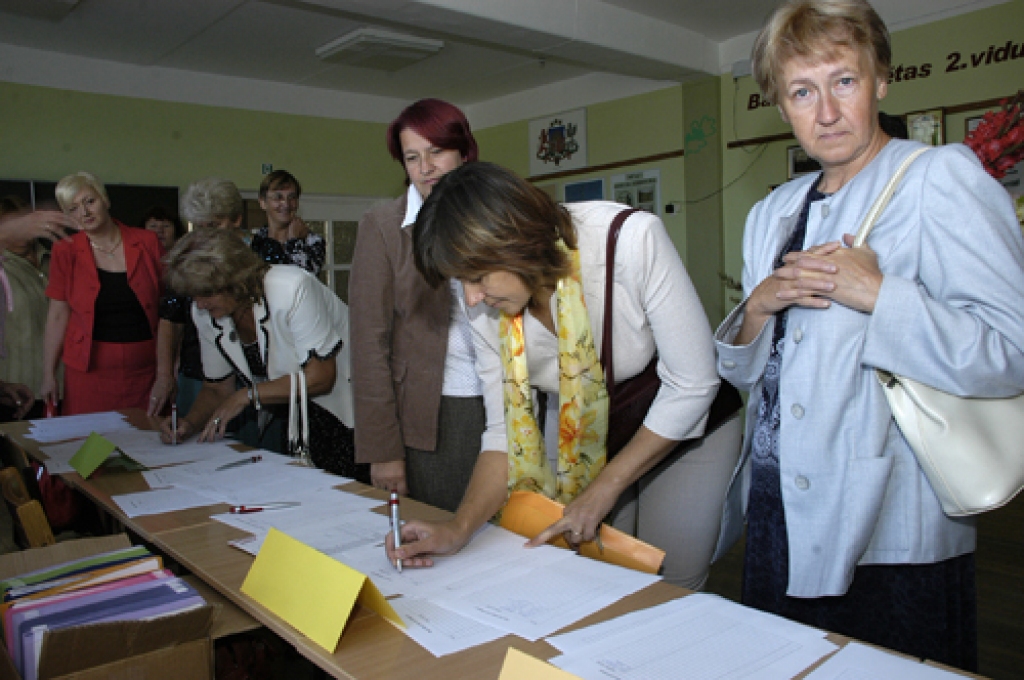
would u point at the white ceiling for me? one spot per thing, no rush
(496, 51)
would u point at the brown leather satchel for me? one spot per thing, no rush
(630, 400)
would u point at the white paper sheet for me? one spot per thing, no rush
(439, 630)
(58, 456)
(699, 636)
(272, 479)
(159, 501)
(542, 601)
(860, 662)
(145, 447)
(49, 430)
(494, 555)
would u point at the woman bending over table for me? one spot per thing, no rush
(261, 323)
(539, 269)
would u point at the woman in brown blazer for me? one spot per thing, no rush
(418, 410)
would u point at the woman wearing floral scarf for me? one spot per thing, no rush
(539, 269)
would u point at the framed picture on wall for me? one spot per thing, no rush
(927, 127)
(587, 190)
(799, 163)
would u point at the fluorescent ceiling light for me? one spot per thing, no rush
(379, 49)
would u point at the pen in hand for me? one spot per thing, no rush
(396, 526)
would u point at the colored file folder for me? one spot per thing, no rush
(528, 513)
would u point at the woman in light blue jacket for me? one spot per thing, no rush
(844, 531)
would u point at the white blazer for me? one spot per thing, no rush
(298, 318)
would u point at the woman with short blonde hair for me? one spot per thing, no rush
(104, 291)
(259, 324)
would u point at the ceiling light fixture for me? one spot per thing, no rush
(378, 49)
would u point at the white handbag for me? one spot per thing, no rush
(970, 449)
(298, 410)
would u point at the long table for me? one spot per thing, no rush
(370, 648)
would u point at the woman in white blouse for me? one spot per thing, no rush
(540, 270)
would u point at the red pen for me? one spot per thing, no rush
(247, 509)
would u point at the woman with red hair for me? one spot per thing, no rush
(418, 407)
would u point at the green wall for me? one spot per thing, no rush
(46, 133)
(970, 34)
(617, 132)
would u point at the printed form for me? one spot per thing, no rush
(698, 636)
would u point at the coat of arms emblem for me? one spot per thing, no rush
(557, 142)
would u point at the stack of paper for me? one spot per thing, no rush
(49, 430)
(122, 585)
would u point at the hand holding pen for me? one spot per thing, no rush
(396, 527)
(175, 430)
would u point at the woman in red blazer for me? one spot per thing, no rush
(104, 291)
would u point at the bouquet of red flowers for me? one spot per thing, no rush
(999, 138)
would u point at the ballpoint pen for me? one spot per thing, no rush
(396, 526)
(244, 461)
(246, 509)
(174, 423)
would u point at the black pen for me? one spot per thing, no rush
(244, 461)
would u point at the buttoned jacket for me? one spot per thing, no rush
(950, 313)
(298, 318)
(399, 339)
(75, 280)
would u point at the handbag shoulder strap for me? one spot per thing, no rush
(883, 199)
(609, 280)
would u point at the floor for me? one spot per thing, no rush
(1000, 572)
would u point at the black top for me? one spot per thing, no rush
(119, 314)
(178, 309)
(257, 367)
(308, 253)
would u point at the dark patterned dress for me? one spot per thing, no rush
(924, 610)
(331, 443)
(308, 253)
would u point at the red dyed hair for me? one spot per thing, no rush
(439, 122)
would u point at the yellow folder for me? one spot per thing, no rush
(521, 666)
(528, 513)
(311, 591)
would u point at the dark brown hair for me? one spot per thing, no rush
(279, 179)
(481, 218)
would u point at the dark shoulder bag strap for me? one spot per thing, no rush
(607, 363)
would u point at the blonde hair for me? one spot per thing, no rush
(69, 187)
(815, 30)
(208, 262)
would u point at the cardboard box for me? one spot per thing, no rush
(177, 646)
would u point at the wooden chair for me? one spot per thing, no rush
(31, 525)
